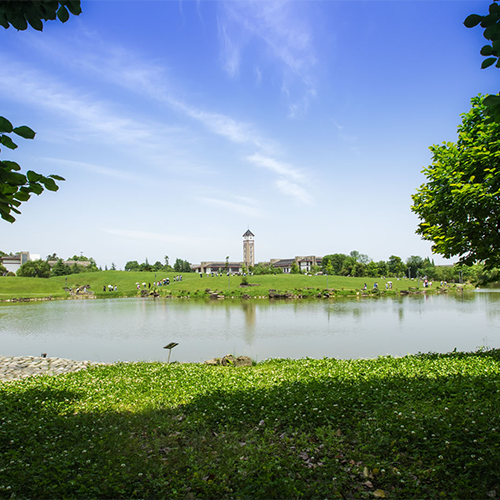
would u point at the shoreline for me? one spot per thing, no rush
(20, 367)
(272, 295)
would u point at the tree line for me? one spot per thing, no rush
(180, 266)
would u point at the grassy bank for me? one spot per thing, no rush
(194, 286)
(424, 426)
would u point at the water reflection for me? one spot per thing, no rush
(135, 329)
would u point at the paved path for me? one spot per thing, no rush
(17, 367)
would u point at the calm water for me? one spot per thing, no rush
(137, 329)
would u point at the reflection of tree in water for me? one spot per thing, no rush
(249, 311)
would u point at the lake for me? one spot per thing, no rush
(137, 329)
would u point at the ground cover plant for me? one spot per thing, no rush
(193, 285)
(421, 426)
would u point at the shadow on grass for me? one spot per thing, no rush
(347, 434)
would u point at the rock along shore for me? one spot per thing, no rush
(18, 367)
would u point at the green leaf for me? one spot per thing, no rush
(25, 132)
(492, 32)
(49, 183)
(489, 20)
(488, 62)
(73, 6)
(7, 142)
(487, 50)
(57, 177)
(10, 165)
(63, 14)
(494, 8)
(472, 20)
(18, 21)
(5, 125)
(22, 196)
(35, 22)
(33, 176)
(491, 100)
(36, 188)
(3, 21)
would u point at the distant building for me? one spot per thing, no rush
(248, 249)
(232, 267)
(13, 262)
(304, 263)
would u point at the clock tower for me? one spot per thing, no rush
(248, 249)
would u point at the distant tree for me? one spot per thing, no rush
(348, 266)
(415, 263)
(372, 269)
(34, 269)
(52, 257)
(182, 266)
(3, 270)
(113, 267)
(382, 267)
(295, 268)
(105, 267)
(336, 261)
(132, 265)
(166, 260)
(396, 266)
(60, 269)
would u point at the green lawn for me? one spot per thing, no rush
(191, 284)
(424, 426)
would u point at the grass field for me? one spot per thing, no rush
(192, 284)
(424, 426)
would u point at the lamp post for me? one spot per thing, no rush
(170, 347)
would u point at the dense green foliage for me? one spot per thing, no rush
(15, 187)
(491, 24)
(34, 269)
(459, 206)
(424, 426)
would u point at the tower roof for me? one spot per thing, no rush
(249, 233)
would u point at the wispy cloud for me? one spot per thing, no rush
(98, 169)
(284, 30)
(128, 70)
(294, 190)
(289, 180)
(243, 206)
(87, 115)
(230, 52)
(277, 167)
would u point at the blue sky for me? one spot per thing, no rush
(178, 125)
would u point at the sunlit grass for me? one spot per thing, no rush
(422, 426)
(194, 286)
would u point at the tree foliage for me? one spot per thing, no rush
(34, 269)
(16, 187)
(491, 24)
(459, 205)
(20, 14)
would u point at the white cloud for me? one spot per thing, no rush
(285, 32)
(288, 183)
(277, 167)
(98, 169)
(245, 208)
(230, 52)
(294, 190)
